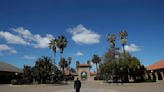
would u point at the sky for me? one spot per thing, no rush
(27, 25)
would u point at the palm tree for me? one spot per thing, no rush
(63, 64)
(96, 59)
(123, 35)
(62, 43)
(111, 38)
(89, 63)
(53, 45)
(77, 63)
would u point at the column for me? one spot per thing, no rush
(162, 75)
(156, 75)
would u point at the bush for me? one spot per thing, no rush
(95, 78)
(13, 82)
(150, 80)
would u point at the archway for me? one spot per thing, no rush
(159, 76)
(83, 71)
(84, 75)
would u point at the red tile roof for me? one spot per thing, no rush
(93, 73)
(83, 65)
(157, 65)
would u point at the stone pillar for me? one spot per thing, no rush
(151, 76)
(146, 76)
(156, 75)
(162, 75)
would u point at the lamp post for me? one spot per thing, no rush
(52, 78)
(16, 74)
(138, 68)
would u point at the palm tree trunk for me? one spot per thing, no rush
(123, 45)
(97, 69)
(54, 57)
(97, 72)
(60, 59)
(126, 61)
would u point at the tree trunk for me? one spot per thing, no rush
(60, 59)
(96, 68)
(54, 57)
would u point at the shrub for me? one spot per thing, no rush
(150, 80)
(95, 78)
(13, 82)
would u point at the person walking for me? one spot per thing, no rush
(77, 85)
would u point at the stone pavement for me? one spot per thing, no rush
(88, 90)
(90, 86)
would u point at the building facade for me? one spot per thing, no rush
(9, 72)
(156, 71)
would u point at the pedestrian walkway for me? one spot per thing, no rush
(88, 90)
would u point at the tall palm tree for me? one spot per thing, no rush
(96, 59)
(53, 45)
(62, 43)
(123, 40)
(111, 38)
(123, 34)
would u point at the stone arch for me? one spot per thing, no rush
(83, 68)
(84, 75)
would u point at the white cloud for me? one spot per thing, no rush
(35, 40)
(132, 48)
(25, 33)
(79, 53)
(6, 49)
(29, 57)
(13, 51)
(25, 37)
(42, 42)
(12, 39)
(82, 35)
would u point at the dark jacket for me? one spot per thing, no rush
(77, 84)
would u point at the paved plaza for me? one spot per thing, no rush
(90, 86)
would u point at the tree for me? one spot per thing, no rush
(89, 63)
(53, 45)
(96, 60)
(62, 43)
(27, 74)
(111, 38)
(63, 64)
(77, 63)
(123, 35)
(69, 61)
(45, 69)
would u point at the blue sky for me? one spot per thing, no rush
(26, 26)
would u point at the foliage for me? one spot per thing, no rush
(43, 71)
(63, 63)
(62, 43)
(118, 69)
(27, 75)
(13, 82)
(96, 60)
